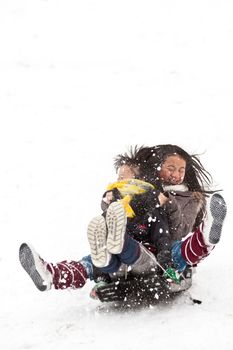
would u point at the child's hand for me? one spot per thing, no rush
(108, 197)
(162, 199)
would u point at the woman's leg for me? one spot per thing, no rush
(63, 275)
(201, 242)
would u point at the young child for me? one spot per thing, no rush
(73, 274)
(129, 233)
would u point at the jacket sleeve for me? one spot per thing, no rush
(182, 211)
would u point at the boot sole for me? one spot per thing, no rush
(218, 211)
(27, 261)
(96, 234)
(116, 221)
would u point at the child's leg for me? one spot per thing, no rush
(144, 262)
(107, 238)
(116, 221)
(97, 237)
(119, 242)
(111, 246)
(131, 252)
(66, 274)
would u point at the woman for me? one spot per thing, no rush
(181, 183)
(166, 167)
(184, 185)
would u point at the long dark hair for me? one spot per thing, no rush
(197, 178)
(150, 159)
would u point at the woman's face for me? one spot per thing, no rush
(173, 170)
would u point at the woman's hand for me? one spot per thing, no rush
(162, 199)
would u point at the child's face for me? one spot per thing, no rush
(125, 172)
(173, 170)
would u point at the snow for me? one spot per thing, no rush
(80, 82)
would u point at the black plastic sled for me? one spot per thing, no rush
(143, 291)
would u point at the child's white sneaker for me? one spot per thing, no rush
(116, 221)
(97, 237)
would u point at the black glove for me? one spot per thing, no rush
(150, 288)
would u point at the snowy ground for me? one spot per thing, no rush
(80, 81)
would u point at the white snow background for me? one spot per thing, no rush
(81, 81)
